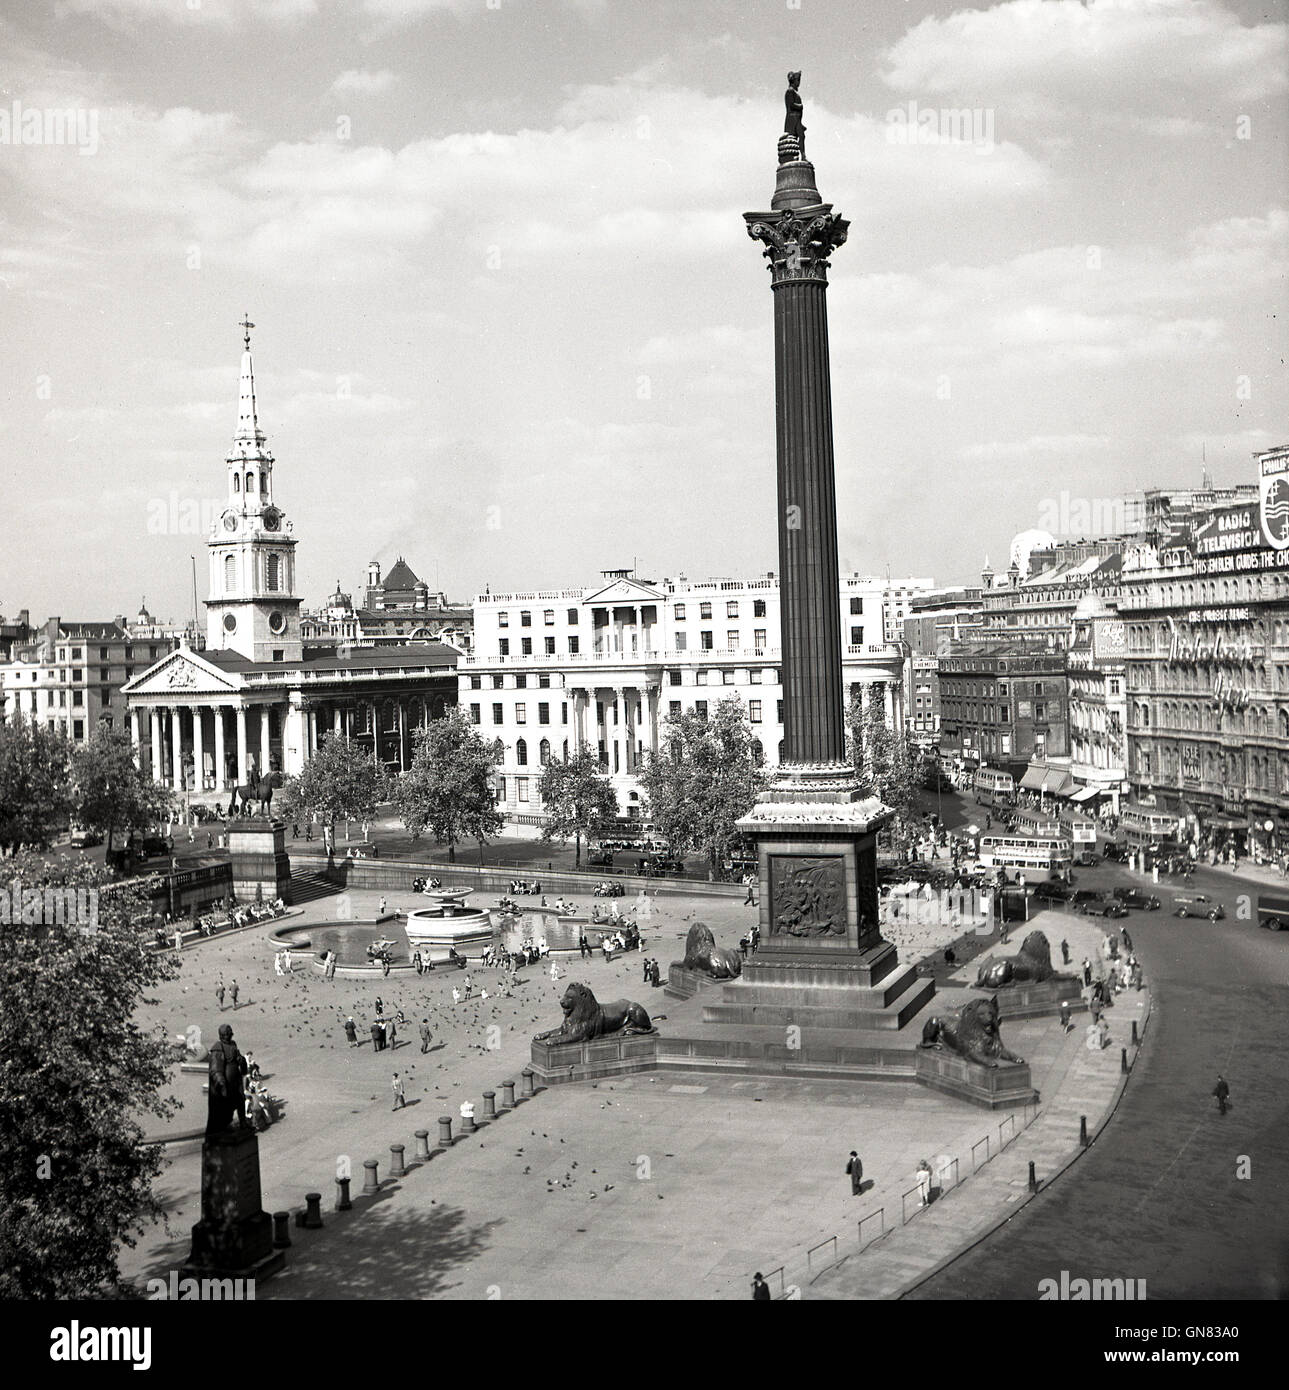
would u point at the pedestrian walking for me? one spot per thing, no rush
(655, 975)
(210, 840)
(1223, 1093)
(380, 909)
(750, 884)
(385, 963)
(1065, 952)
(856, 1171)
(351, 1031)
(418, 963)
(760, 1289)
(1127, 939)
(375, 1037)
(924, 1183)
(232, 992)
(648, 970)
(1087, 971)
(425, 1035)
(219, 994)
(1065, 1015)
(469, 985)
(400, 1099)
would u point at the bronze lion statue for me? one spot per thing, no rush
(971, 1032)
(1032, 966)
(586, 1018)
(703, 954)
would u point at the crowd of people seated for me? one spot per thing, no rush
(521, 888)
(426, 885)
(609, 890)
(223, 917)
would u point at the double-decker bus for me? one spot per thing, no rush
(1038, 825)
(1142, 826)
(994, 788)
(1025, 855)
(1078, 828)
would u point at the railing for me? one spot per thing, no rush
(831, 1241)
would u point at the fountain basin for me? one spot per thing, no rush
(449, 924)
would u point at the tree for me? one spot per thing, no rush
(703, 778)
(891, 767)
(448, 788)
(577, 799)
(76, 1074)
(340, 781)
(35, 785)
(109, 792)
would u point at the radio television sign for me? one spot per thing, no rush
(1273, 469)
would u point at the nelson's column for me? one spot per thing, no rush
(822, 958)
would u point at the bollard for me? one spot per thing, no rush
(445, 1131)
(396, 1168)
(371, 1182)
(508, 1095)
(526, 1076)
(1123, 1059)
(467, 1117)
(343, 1202)
(1033, 1180)
(1135, 1039)
(422, 1143)
(281, 1229)
(1083, 1130)
(313, 1210)
(490, 1105)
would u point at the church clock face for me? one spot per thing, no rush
(230, 521)
(277, 622)
(271, 519)
(230, 622)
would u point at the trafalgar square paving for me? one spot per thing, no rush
(622, 1187)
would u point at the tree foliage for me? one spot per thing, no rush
(703, 778)
(76, 1077)
(35, 785)
(341, 781)
(891, 766)
(109, 792)
(577, 799)
(447, 791)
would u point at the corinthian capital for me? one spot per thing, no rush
(798, 244)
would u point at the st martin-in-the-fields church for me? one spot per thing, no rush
(257, 699)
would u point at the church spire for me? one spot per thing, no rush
(249, 438)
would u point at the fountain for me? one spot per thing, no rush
(449, 923)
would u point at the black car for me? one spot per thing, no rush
(1086, 859)
(1135, 897)
(1119, 853)
(151, 845)
(1273, 911)
(1101, 905)
(1053, 891)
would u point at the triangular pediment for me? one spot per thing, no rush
(624, 591)
(182, 672)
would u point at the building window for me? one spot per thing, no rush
(501, 789)
(102, 674)
(706, 640)
(673, 677)
(526, 644)
(572, 617)
(856, 605)
(778, 710)
(754, 711)
(681, 640)
(700, 677)
(1040, 710)
(102, 653)
(543, 713)
(521, 681)
(679, 611)
(525, 618)
(758, 639)
(758, 608)
(731, 609)
(522, 784)
(550, 646)
(496, 714)
(544, 751)
(476, 682)
(78, 697)
(474, 714)
(521, 752)
(230, 576)
(273, 573)
(731, 640)
(754, 677)
(548, 617)
(543, 682)
(521, 713)
(705, 610)
(498, 682)
(503, 646)
(563, 718)
(503, 619)
(673, 707)
(572, 645)
(700, 708)
(727, 677)
(78, 728)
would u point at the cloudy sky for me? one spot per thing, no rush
(510, 324)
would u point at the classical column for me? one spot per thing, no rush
(154, 745)
(312, 740)
(198, 750)
(135, 738)
(335, 720)
(243, 748)
(402, 737)
(655, 700)
(619, 721)
(799, 234)
(220, 753)
(264, 740)
(176, 750)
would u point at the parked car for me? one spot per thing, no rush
(151, 845)
(1086, 859)
(1136, 897)
(1197, 905)
(600, 858)
(1053, 891)
(1273, 911)
(1102, 905)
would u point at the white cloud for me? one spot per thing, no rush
(223, 14)
(362, 82)
(1061, 445)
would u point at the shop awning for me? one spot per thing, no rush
(1055, 781)
(1033, 778)
(1225, 822)
(1083, 794)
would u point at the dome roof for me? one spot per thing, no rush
(1091, 606)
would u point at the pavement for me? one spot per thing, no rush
(680, 1186)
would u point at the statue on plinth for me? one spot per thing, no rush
(705, 956)
(971, 1032)
(585, 1018)
(226, 1097)
(792, 124)
(1032, 965)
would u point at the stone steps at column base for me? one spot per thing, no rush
(878, 1007)
(759, 1050)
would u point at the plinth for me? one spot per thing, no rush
(234, 1238)
(261, 865)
